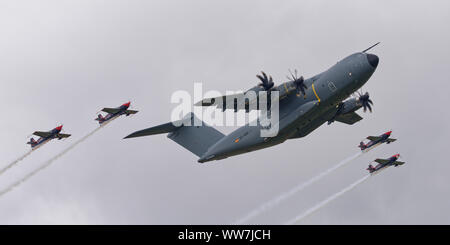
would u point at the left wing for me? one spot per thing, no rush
(382, 161)
(348, 118)
(63, 135)
(131, 112)
(111, 110)
(42, 134)
(373, 138)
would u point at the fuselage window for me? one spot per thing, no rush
(331, 86)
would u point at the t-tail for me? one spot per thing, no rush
(196, 139)
(371, 169)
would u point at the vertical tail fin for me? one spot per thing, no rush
(362, 145)
(370, 168)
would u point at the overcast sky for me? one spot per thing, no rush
(62, 61)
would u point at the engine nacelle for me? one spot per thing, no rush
(348, 106)
(345, 107)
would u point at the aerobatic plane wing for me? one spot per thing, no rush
(42, 134)
(111, 110)
(382, 161)
(373, 138)
(131, 112)
(226, 101)
(348, 118)
(391, 140)
(63, 135)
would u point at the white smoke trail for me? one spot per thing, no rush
(47, 163)
(15, 162)
(294, 190)
(326, 201)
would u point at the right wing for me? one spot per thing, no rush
(111, 110)
(373, 138)
(382, 161)
(42, 134)
(227, 101)
(391, 140)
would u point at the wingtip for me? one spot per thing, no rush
(128, 136)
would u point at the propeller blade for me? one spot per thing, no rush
(266, 82)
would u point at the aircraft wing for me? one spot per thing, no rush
(63, 135)
(391, 140)
(131, 111)
(348, 118)
(373, 138)
(111, 110)
(382, 161)
(220, 101)
(42, 134)
(398, 163)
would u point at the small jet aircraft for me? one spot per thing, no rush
(376, 141)
(115, 112)
(384, 163)
(46, 137)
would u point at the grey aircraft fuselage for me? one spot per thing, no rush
(300, 115)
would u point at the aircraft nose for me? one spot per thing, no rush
(373, 60)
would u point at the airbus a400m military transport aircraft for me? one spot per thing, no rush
(304, 105)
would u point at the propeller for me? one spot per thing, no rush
(298, 81)
(365, 101)
(266, 82)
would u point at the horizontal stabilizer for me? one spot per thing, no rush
(63, 135)
(196, 139)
